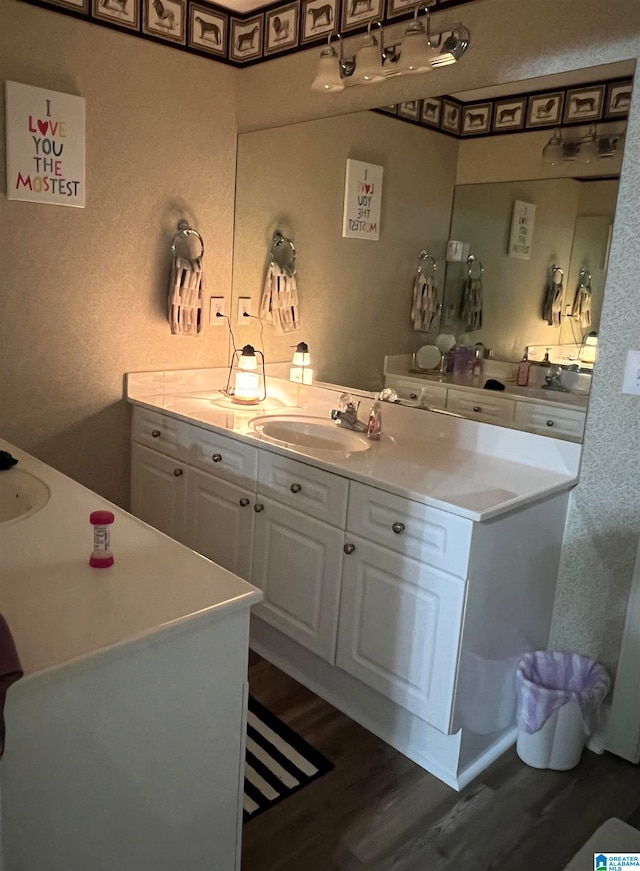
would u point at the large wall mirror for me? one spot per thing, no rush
(356, 294)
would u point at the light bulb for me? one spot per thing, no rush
(415, 52)
(368, 62)
(328, 78)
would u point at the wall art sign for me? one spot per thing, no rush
(362, 200)
(521, 236)
(45, 146)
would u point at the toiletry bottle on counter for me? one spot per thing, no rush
(374, 428)
(523, 371)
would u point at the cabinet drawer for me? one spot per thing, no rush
(223, 457)
(550, 420)
(418, 390)
(431, 536)
(484, 406)
(399, 630)
(160, 432)
(305, 488)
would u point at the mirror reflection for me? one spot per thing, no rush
(356, 295)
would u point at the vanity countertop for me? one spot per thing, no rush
(61, 610)
(475, 470)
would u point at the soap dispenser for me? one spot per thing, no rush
(374, 428)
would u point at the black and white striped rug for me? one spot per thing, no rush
(278, 762)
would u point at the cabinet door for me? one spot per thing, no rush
(220, 521)
(297, 562)
(481, 405)
(550, 420)
(158, 490)
(400, 623)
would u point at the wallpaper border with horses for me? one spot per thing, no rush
(568, 107)
(210, 30)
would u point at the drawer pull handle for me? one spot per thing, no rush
(258, 507)
(549, 423)
(244, 502)
(155, 433)
(349, 548)
(178, 472)
(413, 396)
(295, 488)
(397, 527)
(477, 408)
(217, 458)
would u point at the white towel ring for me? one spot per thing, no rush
(285, 260)
(425, 257)
(471, 262)
(184, 231)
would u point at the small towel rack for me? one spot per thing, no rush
(425, 257)
(554, 274)
(184, 231)
(286, 260)
(584, 279)
(471, 262)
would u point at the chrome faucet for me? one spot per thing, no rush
(553, 380)
(347, 414)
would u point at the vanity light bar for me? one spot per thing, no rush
(375, 62)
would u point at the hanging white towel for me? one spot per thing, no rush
(279, 301)
(582, 305)
(471, 304)
(424, 307)
(186, 297)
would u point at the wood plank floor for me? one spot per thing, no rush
(378, 811)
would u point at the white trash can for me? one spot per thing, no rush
(559, 697)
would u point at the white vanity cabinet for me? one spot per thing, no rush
(400, 613)
(555, 419)
(298, 549)
(200, 491)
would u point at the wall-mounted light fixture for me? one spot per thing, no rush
(248, 389)
(420, 51)
(574, 145)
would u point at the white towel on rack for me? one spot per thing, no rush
(279, 301)
(471, 305)
(424, 306)
(582, 305)
(186, 297)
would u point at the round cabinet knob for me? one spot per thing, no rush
(217, 458)
(477, 408)
(244, 502)
(155, 433)
(178, 472)
(295, 488)
(258, 507)
(549, 423)
(413, 396)
(397, 527)
(349, 548)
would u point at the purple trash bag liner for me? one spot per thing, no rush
(546, 680)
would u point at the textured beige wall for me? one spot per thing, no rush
(84, 290)
(513, 289)
(355, 294)
(513, 44)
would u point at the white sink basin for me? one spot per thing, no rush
(315, 434)
(21, 494)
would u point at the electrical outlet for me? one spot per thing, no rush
(631, 383)
(244, 308)
(216, 307)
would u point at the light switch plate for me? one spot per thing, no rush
(244, 308)
(216, 304)
(631, 383)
